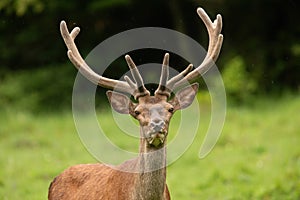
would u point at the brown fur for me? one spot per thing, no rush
(97, 182)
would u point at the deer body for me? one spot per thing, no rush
(142, 178)
(101, 182)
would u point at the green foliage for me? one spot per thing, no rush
(295, 49)
(257, 156)
(21, 7)
(44, 89)
(255, 35)
(238, 82)
(104, 4)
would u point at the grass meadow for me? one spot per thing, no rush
(256, 157)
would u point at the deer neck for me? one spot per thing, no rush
(151, 179)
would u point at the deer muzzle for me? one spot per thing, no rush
(157, 134)
(156, 139)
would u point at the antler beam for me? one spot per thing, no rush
(128, 86)
(136, 87)
(214, 47)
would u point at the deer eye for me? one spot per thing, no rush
(136, 112)
(171, 110)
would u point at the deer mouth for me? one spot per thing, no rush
(156, 139)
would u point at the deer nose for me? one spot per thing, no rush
(157, 125)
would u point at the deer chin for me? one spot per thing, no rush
(156, 139)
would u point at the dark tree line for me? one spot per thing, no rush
(264, 36)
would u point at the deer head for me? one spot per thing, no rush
(152, 112)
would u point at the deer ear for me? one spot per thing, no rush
(185, 97)
(119, 102)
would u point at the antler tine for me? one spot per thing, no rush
(213, 28)
(85, 70)
(141, 89)
(214, 47)
(179, 76)
(162, 89)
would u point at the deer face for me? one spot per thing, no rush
(154, 115)
(153, 112)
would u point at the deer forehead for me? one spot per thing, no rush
(153, 100)
(152, 104)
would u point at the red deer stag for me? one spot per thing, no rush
(99, 181)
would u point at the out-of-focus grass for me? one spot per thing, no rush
(257, 156)
(33, 150)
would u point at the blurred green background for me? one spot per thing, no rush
(257, 156)
(260, 55)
